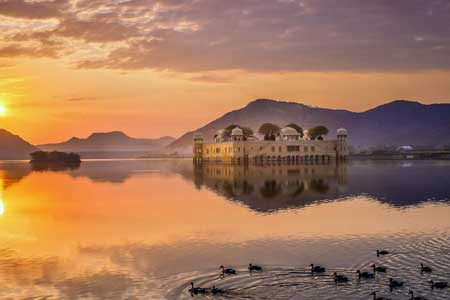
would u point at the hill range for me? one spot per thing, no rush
(107, 144)
(116, 141)
(396, 123)
(399, 122)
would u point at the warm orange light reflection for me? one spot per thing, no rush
(2, 207)
(58, 211)
(2, 110)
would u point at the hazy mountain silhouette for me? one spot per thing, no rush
(14, 147)
(108, 142)
(399, 122)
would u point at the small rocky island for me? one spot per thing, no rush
(55, 160)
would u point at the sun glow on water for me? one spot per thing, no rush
(2, 207)
(2, 110)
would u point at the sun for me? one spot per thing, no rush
(2, 110)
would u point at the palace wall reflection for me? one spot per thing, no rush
(268, 188)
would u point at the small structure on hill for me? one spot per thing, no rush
(405, 148)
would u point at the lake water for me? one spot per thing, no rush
(144, 229)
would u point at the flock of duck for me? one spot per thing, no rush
(338, 278)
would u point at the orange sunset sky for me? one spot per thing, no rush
(151, 68)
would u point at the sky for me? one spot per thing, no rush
(152, 68)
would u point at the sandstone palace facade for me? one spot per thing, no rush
(288, 146)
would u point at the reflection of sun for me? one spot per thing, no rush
(2, 207)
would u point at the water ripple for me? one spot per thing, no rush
(279, 282)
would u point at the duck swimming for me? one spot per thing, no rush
(374, 294)
(438, 285)
(382, 252)
(365, 275)
(317, 269)
(216, 291)
(254, 268)
(339, 278)
(416, 298)
(197, 290)
(425, 269)
(228, 271)
(379, 269)
(394, 283)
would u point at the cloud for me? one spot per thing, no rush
(101, 29)
(32, 10)
(213, 77)
(76, 99)
(5, 65)
(79, 99)
(15, 50)
(213, 35)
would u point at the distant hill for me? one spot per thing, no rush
(115, 141)
(399, 122)
(14, 147)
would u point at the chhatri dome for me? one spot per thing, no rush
(305, 133)
(198, 135)
(237, 131)
(342, 131)
(220, 132)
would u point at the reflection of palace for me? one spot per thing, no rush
(273, 187)
(289, 145)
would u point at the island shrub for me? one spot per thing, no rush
(55, 160)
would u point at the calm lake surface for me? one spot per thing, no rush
(144, 229)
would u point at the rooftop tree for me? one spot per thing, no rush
(317, 132)
(269, 131)
(296, 127)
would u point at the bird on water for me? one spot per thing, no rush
(365, 275)
(197, 290)
(252, 268)
(339, 278)
(379, 269)
(438, 285)
(216, 291)
(227, 271)
(382, 252)
(317, 269)
(425, 269)
(395, 283)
